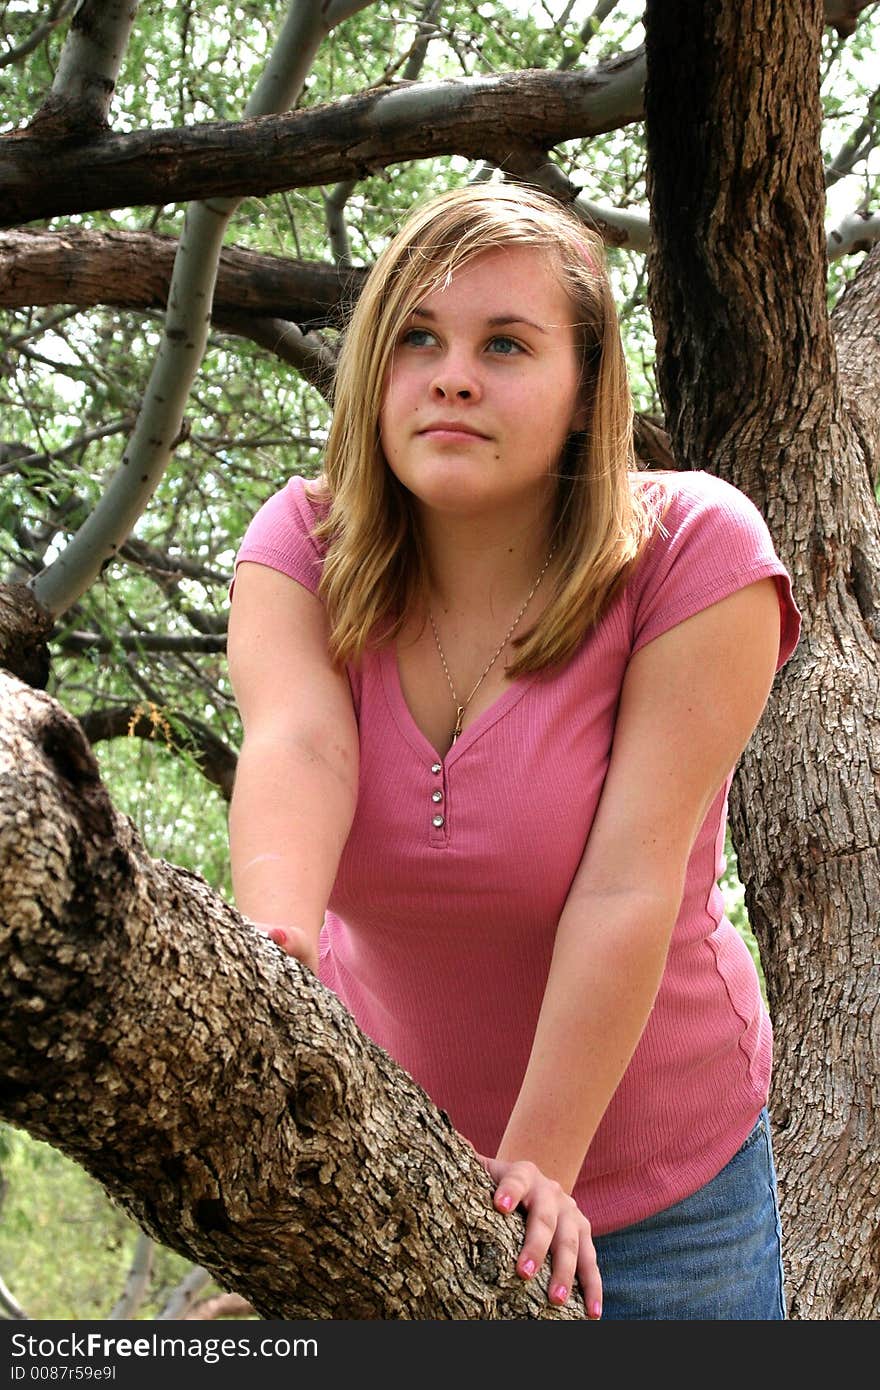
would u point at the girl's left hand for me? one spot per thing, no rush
(555, 1224)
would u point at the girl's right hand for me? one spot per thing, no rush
(294, 941)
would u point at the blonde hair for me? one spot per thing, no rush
(375, 568)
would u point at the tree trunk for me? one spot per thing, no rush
(750, 382)
(212, 1085)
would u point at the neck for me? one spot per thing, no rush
(487, 565)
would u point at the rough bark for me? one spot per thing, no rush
(856, 324)
(219, 1093)
(750, 383)
(132, 270)
(481, 117)
(24, 628)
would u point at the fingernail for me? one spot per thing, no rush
(595, 1310)
(528, 1268)
(559, 1292)
(505, 1202)
(279, 936)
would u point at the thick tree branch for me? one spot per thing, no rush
(24, 628)
(753, 183)
(843, 15)
(480, 117)
(133, 270)
(145, 1027)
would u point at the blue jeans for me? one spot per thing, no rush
(713, 1256)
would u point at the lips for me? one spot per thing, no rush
(452, 429)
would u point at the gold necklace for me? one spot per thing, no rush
(460, 708)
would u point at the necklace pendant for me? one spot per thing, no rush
(459, 717)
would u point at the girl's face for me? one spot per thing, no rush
(482, 390)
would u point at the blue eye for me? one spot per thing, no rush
(418, 337)
(504, 347)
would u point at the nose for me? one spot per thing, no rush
(456, 380)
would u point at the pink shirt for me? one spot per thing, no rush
(442, 918)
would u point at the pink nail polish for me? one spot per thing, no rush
(279, 936)
(595, 1310)
(559, 1292)
(505, 1202)
(528, 1268)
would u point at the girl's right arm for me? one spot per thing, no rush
(297, 776)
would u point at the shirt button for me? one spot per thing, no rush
(437, 821)
(436, 768)
(437, 796)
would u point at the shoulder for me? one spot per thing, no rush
(706, 540)
(297, 506)
(676, 500)
(282, 536)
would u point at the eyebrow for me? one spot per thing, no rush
(496, 321)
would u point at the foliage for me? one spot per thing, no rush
(52, 1205)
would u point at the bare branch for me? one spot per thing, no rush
(76, 641)
(10, 1303)
(334, 206)
(589, 29)
(138, 1281)
(58, 12)
(26, 460)
(859, 144)
(312, 356)
(182, 1298)
(150, 558)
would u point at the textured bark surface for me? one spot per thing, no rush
(752, 390)
(133, 270)
(479, 118)
(24, 628)
(218, 1092)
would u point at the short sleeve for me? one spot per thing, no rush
(710, 542)
(280, 536)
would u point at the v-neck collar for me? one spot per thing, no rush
(407, 725)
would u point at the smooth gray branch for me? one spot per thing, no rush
(85, 78)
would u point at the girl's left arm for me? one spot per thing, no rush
(689, 703)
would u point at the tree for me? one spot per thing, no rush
(757, 383)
